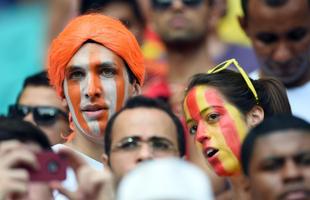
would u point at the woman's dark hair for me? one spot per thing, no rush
(271, 93)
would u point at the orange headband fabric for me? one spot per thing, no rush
(104, 30)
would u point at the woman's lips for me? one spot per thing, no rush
(210, 152)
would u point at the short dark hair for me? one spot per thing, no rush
(271, 93)
(95, 6)
(267, 127)
(145, 102)
(23, 131)
(38, 79)
(271, 3)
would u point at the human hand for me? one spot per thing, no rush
(14, 181)
(92, 184)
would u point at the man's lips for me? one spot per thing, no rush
(300, 194)
(94, 111)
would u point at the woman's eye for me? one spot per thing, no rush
(213, 117)
(193, 130)
(108, 72)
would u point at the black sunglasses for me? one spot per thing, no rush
(164, 4)
(42, 115)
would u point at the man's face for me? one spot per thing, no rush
(124, 12)
(141, 134)
(96, 86)
(280, 166)
(181, 23)
(46, 96)
(217, 127)
(281, 38)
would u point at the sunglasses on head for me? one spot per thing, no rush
(164, 4)
(42, 115)
(234, 62)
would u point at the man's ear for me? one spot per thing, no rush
(135, 89)
(105, 159)
(245, 184)
(255, 116)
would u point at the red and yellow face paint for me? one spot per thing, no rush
(218, 128)
(95, 87)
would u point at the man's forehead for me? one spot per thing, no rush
(281, 143)
(293, 8)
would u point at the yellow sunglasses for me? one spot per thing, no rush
(235, 63)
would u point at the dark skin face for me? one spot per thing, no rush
(280, 166)
(281, 38)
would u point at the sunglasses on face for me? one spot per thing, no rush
(42, 115)
(164, 4)
(157, 144)
(234, 62)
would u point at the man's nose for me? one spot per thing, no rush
(177, 4)
(145, 153)
(282, 53)
(29, 118)
(201, 134)
(291, 172)
(93, 87)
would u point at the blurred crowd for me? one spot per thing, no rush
(155, 99)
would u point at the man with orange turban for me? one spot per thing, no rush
(95, 65)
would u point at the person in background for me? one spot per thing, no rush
(282, 49)
(144, 129)
(39, 104)
(275, 158)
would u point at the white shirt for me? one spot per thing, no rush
(299, 98)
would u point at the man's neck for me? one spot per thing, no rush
(183, 62)
(86, 146)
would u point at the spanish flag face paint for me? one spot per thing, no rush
(95, 87)
(217, 126)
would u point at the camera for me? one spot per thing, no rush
(51, 167)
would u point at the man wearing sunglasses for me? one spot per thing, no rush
(280, 34)
(144, 129)
(39, 104)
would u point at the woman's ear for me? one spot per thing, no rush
(255, 116)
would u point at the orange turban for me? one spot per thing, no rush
(104, 30)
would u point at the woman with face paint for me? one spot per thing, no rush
(95, 65)
(220, 106)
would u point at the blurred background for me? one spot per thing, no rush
(28, 26)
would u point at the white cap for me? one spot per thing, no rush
(165, 179)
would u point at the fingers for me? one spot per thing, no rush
(74, 160)
(95, 184)
(19, 157)
(62, 190)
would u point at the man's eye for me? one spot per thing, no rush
(193, 130)
(267, 38)
(161, 145)
(108, 72)
(303, 159)
(297, 34)
(129, 145)
(272, 165)
(76, 75)
(213, 117)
